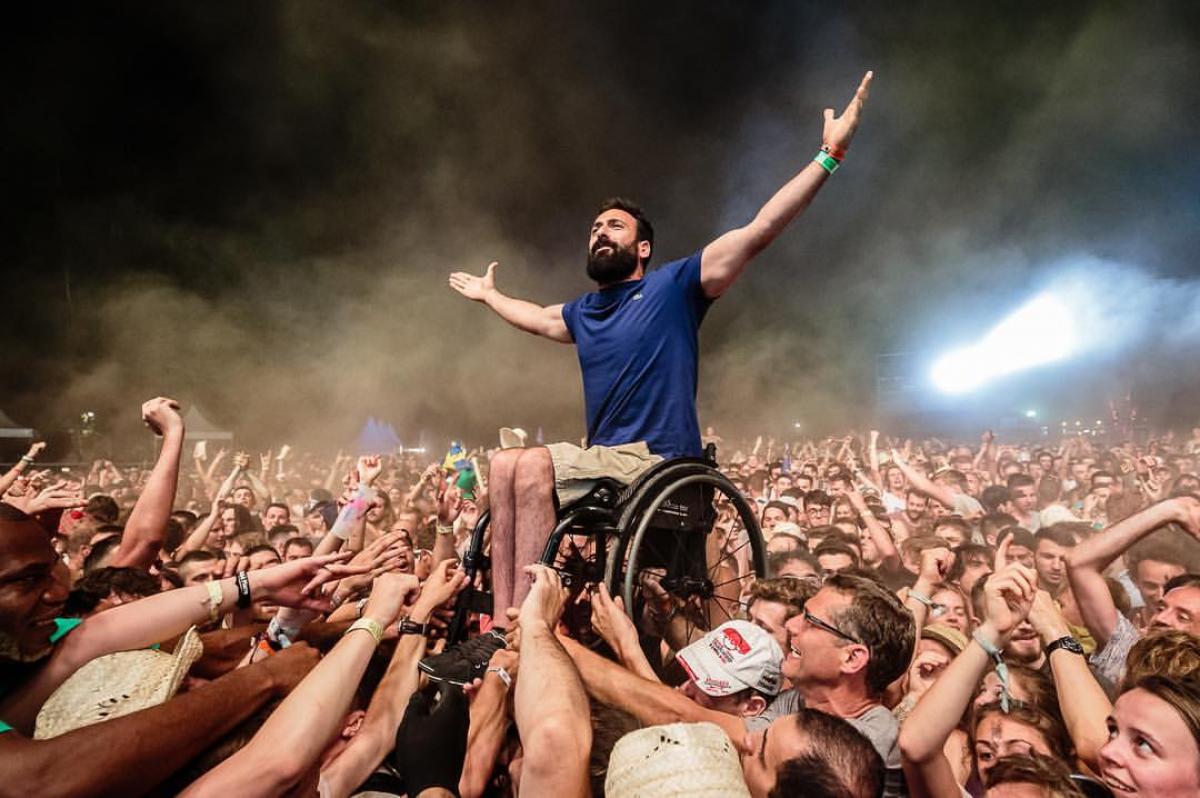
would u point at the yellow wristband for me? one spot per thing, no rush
(215, 597)
(370, 625)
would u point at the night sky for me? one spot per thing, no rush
(254, 206)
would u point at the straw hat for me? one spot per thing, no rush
(513, 438)
(115, 685)
(692, 760)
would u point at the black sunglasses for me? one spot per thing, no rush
(833, 630)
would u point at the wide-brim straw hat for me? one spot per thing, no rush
(115, 685)
(696, 760)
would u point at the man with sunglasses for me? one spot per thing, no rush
(851, 640)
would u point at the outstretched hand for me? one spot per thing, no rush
(839, 130)
(475, 288)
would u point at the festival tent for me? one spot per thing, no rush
(10, 428)
(198, 428)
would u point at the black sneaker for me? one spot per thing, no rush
(465, 662)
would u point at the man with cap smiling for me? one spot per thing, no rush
(736, 669)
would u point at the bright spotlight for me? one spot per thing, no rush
(1039, 332)
(1030, 414)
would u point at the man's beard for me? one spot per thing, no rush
(613, 266)
(10, 649)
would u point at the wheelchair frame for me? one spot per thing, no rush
(644, 523)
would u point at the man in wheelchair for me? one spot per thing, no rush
(637, 339)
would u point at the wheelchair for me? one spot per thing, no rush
(655, 540)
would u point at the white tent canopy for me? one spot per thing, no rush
(199, 428)
(10, 429)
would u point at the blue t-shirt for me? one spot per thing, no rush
(639, 351)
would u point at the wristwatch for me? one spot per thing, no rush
(1067, 643)
(407, 626)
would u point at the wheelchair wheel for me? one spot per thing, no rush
(671, 549)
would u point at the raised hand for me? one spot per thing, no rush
(35, 449)
(609, 619)
(298, 583)
(935, 564)
(162, 415)
(1187, 513)
(241, 460)
(475, 288)
(839, 130)
(59, 496)
(1009, 596)
(449, 506)
(390, 593)
(441, 586)
(369, 469)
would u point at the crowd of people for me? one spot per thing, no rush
(934, 620)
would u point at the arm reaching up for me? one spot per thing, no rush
(550, 705)
(544, 321)
(724, 259)
(1087, 561)
(146, 528)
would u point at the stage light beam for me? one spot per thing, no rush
(1039, 332)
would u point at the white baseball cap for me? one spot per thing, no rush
(734, 656)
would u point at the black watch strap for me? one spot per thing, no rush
(411, 627)
(1067, 643)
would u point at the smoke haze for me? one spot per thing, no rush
(254, 207)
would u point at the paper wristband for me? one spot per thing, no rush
(827, 161)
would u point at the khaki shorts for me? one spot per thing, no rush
(577, 470)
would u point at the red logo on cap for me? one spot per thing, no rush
(737, 641)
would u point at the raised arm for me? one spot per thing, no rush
(146, 528)
(26, 460)
(296, 734)
(1009, 596)
(527, 316)
(549, 703)
(1085, 705)
(1087, 561)
(141, 623)
(923, 483)
(650, 702)
(377, 735)
(724, 259)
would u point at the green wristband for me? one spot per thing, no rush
(827, 161)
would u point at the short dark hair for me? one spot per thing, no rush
(839, 762)
(96, 586)
(1059, 533)
(198, 555)
(278, 504)
(792, 593)
(779, 559)
(1020, 481)
(645, 230)
(837, 547)
(99, 552)
(818, 497)
(287, 544)
(1020, 537)
(262, 547)
(103, 508)
(877, 618)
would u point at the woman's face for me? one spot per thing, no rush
(1150, 751)
(997, 736)
(229, 521)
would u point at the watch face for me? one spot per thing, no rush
(1068, 644)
